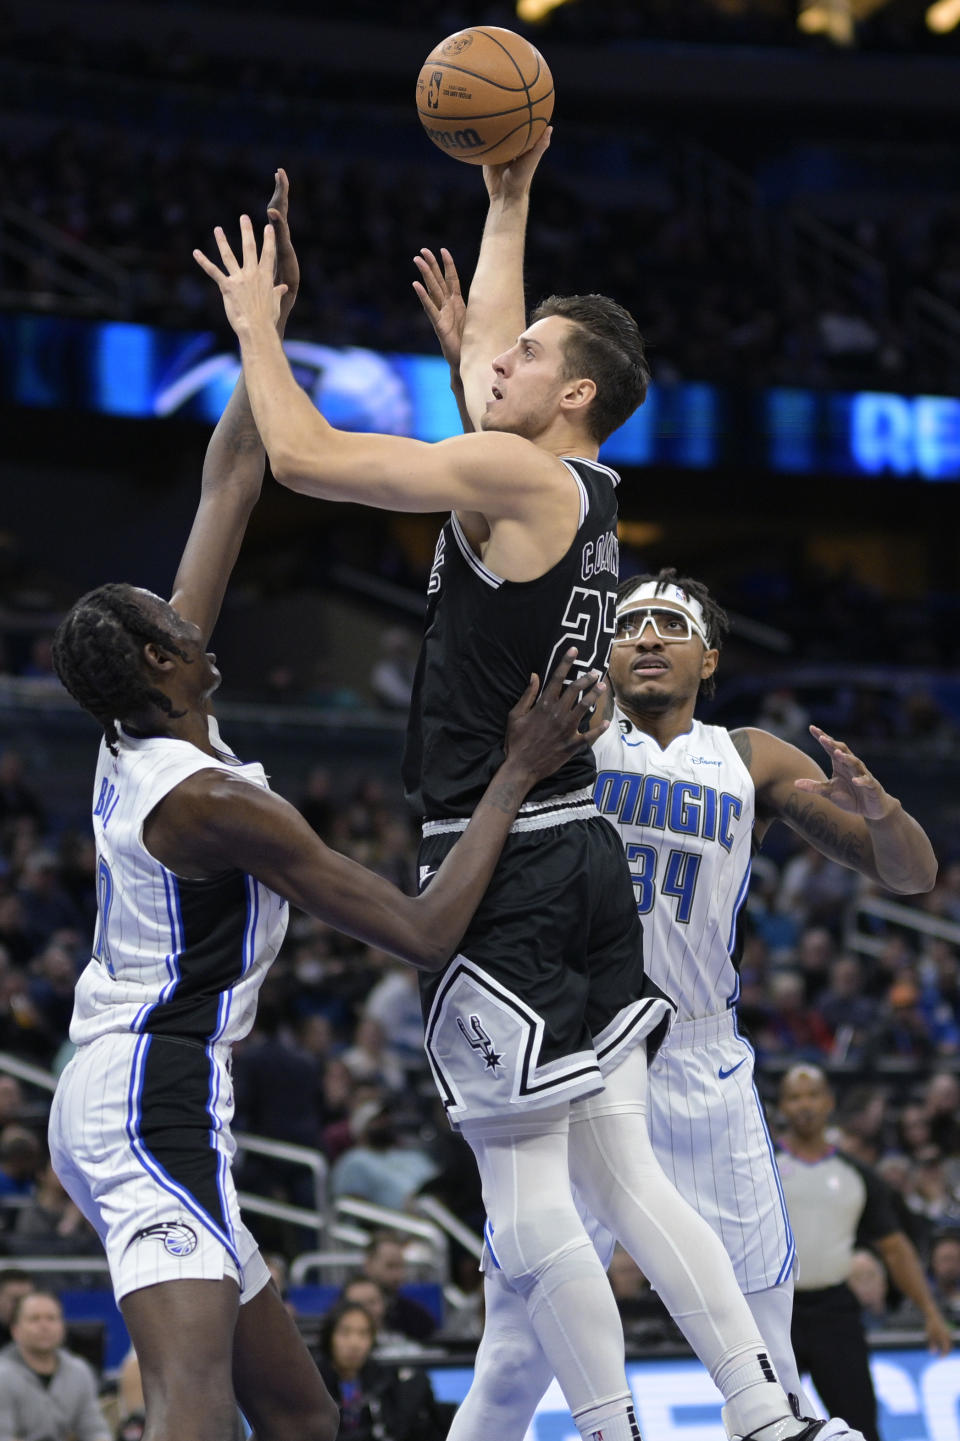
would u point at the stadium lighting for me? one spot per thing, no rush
(943, 16)
(533, 11)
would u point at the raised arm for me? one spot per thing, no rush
(496, 309)
(214, 820)
(233, 465)
(901, 1260)
(498, 475)
(848, 817)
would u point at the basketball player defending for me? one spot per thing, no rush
(196, 862)
(689, 801)
(535, 1031)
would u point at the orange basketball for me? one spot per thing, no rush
(484, 95)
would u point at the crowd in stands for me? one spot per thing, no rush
(721, 288)
(335, 1060)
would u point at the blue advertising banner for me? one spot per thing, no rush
(138, 371)
(919, 1398)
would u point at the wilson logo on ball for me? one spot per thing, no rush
(454, 139)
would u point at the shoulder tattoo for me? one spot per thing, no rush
(742, 746)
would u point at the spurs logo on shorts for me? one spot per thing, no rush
(481, 1042)
(178, 1239)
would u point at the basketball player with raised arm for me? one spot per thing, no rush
(691, 802)
(538, 1030)
(196, 864)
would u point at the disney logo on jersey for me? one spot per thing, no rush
(178, 1239)
(601, 555)
(433, 584)
(481, 1042)
(704, 761)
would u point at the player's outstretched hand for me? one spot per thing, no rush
(512, 178)
(442, 299)
(287, 266)
(851, 786)
(544, 735)
(251, 296)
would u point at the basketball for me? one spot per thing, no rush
(484, 95)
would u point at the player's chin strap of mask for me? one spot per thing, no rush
(650, 591)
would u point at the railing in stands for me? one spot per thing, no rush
(316, 1220)
(892, 914)
(437, 1212)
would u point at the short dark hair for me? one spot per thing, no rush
(605, 345)
(43, 1291)
(97, 655)
(14, 1274)
(718, 623)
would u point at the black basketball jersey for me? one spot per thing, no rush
(483, 638)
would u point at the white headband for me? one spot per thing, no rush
(652, 591)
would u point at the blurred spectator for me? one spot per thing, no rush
(368, 1293)
(316, 805)
(370, 1059)
(941, 1105)
(17, 798)
(945, 1273)
(11, 1100)
(21, 1158)
(51, 1216)
(815, 953)
(901, 1029)
(385, 1263)
(395, 1003)
(930, 1194)
(377, 1402)
(814, 890)
(14, 1283)
(46, 1392)
(783, 715)
(46, 905)
(867, 1280)
(850, 1014)
(380, 1168)
(391, 678)
(791, 1027)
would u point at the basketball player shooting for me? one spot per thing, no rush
(551, 969)
(196, 864)
(706, 1121)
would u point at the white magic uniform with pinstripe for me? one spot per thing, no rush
(140, 1123)
(685, 816)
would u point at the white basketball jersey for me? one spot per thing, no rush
(175, 957)
(685, 815)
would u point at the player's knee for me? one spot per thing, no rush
(513, 1367)
(312, 1417)
(526, 1246)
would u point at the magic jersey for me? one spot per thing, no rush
(485, 636)
(175, 957)
(685, 816)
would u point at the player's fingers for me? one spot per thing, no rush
(248, 243)
(583, 693)
(432, 277)
(226, 254)
(812, 787)
(450, 274)
(208, 267)
(428, 305)
(554, 685)
(268, 255)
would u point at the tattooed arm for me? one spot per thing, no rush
(848, 816)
